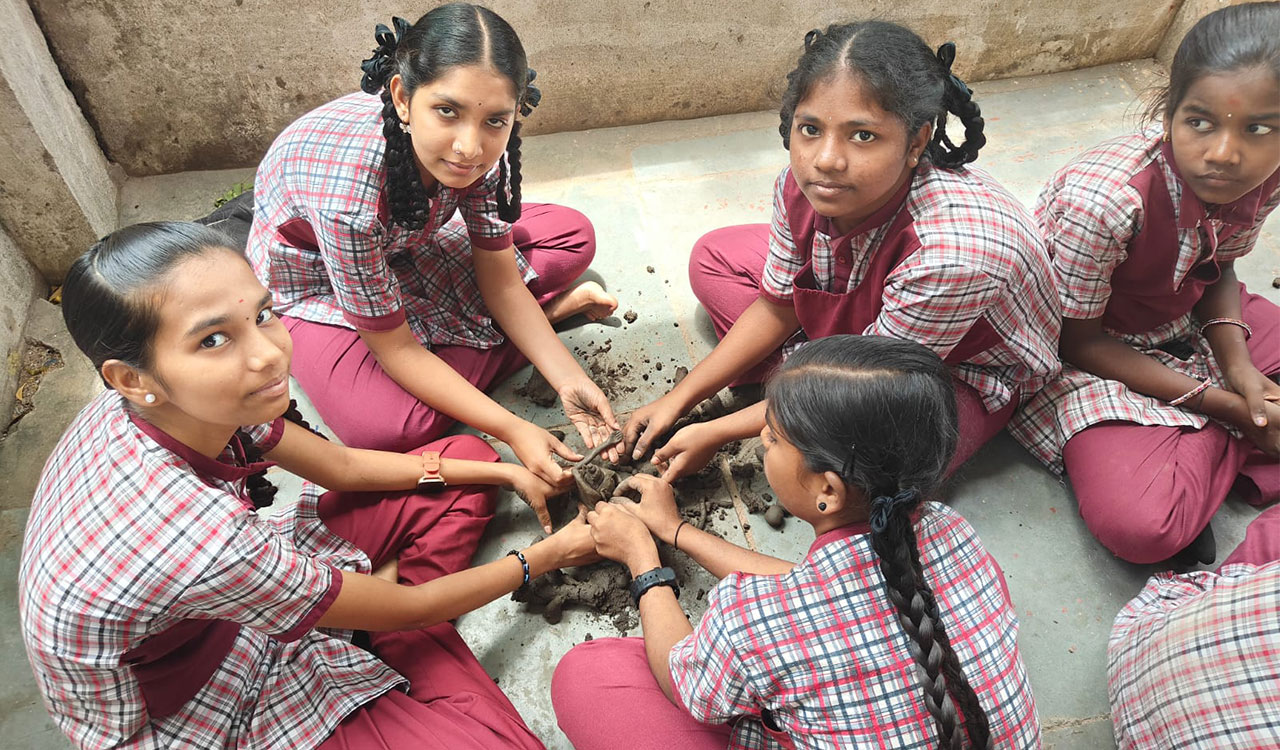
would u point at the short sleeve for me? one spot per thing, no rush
(479, 208)
(935, 304)
(708, 675)
(784, 261)
(1087, 236)
(259, 579)
(351, 245)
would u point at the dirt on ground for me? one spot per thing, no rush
(37, 359)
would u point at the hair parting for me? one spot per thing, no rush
(452, 35)
(910, 81)
(881, 412)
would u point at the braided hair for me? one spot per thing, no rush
(881, 413)
(446, 37)
(912, 82)
(261, 491)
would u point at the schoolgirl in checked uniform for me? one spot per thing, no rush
(1168, 396)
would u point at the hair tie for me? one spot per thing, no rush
(532, 95)
(947, 56)
(884, 507)
(809, 39)
(378, 68)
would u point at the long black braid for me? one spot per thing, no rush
(261, 491)
(911, 81)
(881, 413)
(446, 37)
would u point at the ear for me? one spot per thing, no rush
(130, 383)
(399, 97)
(915, 148)
(832, 491)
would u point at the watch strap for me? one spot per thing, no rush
(649, 579)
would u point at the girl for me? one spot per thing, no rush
(159, 610)
(895, 631)
(1167, 398)
(399, 311)
(878, 228)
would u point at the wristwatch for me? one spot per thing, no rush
(431, 481)
(656, 577)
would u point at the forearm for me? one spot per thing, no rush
(521, 318)
(1222, 300)
(662, 620)
(369, 603)
(758, 332)
(1110, 358)
(739, 425)
(720, 557)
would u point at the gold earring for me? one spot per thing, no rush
(1166, 136)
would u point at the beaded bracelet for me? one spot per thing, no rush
(523, 564)
(1248, 332)
(1180, 400)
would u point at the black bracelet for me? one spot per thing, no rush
(523, 563)
(675, 540)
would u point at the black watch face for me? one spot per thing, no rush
(431, 485)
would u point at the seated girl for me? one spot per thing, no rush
(159, 609)
(896, 630)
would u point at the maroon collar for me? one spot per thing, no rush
(837, 534)
(875, 220)
(1243, 211)
(207, 468)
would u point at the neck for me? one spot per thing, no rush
(206, 439)
(825, 523)
(846, 224)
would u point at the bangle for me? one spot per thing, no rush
(1180, 400)
(523, 564)
(1248, 332)
(675, 540)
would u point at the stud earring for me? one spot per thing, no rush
(150, 398)
(404, 128)
(915, 160)
(1166, 136)
(822, 506)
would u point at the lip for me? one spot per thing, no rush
(461, 169)
(828, 188)
(1217, 179)
(274, 389)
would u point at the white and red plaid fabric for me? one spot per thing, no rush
(1089, 214)
(821, 647)
(323, 243)
(1194, 661)
(128, 537)
(980, 256)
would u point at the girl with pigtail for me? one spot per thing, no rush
(403, 313)
(896, 630)
(159, 609)
(879, 227)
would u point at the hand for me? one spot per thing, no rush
(1256, 389)
(574, 543)
(647, 424)
(657, 507)
(620, 536)
(687, 452)
(534, 490)
(1266, 437)
(588, 409)
(534, 446)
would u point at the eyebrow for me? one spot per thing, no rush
(811, 120)
(1198, 110)
(218, 320)
(463, 108)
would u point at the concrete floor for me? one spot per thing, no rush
(651, 191)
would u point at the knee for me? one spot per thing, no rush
(580, 234)
(577, 680)
(1139, 527)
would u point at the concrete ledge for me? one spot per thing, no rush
(19, 285)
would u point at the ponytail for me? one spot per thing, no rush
(957, 98)
(261, 491)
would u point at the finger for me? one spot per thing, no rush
(564, 451)
(550, 472)
(1254, 397)
(544, 516)
(587, 435)
(606, 412)
(642, 443)
(674, 471)
(665, 453)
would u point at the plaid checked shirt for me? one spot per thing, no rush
(323, 243)
(1090, 215)
(131, 533)
(980, 256)
(822, 648)
(1194, 661)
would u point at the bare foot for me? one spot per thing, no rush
(587, 298)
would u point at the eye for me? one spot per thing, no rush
(497, 122)
(265, 315)
(1258, 128)
(214, 340)
(446, 111)
(808, 130)
(1199, 124)
(864, 136)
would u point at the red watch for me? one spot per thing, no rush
(431, 481)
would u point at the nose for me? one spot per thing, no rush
(466, 142)
(1223, 148)
(264, 353)
(830, 157)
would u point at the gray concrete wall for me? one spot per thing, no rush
(174, 85)
(56, 192)
(19, 285)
